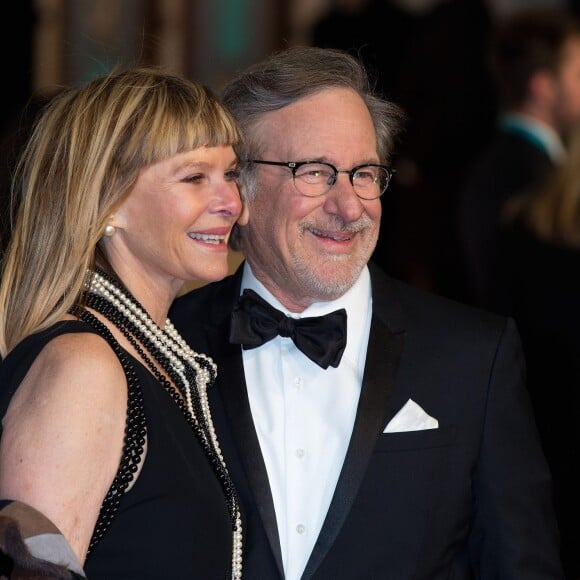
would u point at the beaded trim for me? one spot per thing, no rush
(135, 433)
(189, 371)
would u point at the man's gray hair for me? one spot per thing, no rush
(298, 72)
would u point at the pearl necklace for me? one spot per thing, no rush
(183, 365)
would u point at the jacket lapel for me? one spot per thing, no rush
(384, 351)
(234, 400)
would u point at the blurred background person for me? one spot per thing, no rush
(535, 60)
(540, 272)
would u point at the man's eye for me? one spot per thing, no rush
(313, 172)
(365, 176)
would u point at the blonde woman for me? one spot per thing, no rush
(127, 189)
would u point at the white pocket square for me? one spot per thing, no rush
(411, 417)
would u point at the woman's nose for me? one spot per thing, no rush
(228, 198)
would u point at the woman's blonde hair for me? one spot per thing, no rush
(82, 159)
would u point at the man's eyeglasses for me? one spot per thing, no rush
(315, 178)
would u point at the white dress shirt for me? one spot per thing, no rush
(304, 416)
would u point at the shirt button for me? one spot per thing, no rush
(298, 382)
(300, 453)
(300, 529)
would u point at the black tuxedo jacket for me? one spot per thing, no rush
(471, 499)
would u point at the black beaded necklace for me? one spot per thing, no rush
(190, 374)
(135, 433)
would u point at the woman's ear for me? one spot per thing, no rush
(118, 219)
(115, 222)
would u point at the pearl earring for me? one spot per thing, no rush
(110, 231)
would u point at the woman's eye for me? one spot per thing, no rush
(232, 175)
(196, 178)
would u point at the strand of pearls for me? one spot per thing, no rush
(174, 351)
(237, 544)
(172, 332)
(179, 354)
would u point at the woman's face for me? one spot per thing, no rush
(175, 224)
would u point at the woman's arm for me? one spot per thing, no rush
(63, 434)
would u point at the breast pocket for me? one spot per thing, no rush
(409, 440)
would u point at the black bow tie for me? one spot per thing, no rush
(321, 338)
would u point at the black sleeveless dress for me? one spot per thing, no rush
(174, 521)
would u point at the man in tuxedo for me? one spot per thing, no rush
(373, 431)
(535, 62)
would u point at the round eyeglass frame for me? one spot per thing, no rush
(295, 165)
